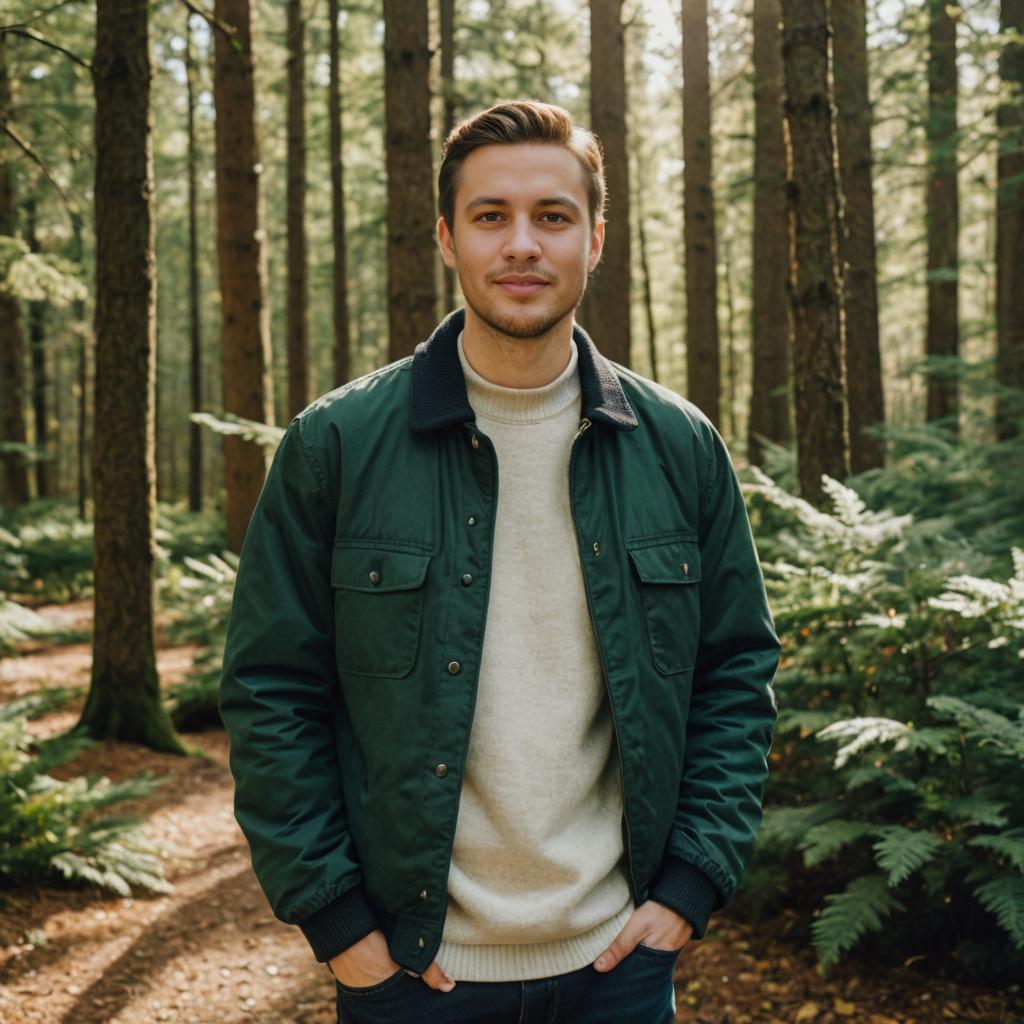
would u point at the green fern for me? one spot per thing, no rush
(825, 840)
(860, 908)
(1009, 844)
(902, 851)
(1004, 896)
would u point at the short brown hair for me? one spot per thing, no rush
(514, 122)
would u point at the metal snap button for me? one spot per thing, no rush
(375, 577)
(471, 521)
(466, 579)
(423, 894)
(474, 441)
(454, 668)
(441, 771)
(597, 549)
(686, 568)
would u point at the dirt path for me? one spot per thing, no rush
(210, 952)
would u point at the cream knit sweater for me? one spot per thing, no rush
(538, 880)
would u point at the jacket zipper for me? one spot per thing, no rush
(583, 427)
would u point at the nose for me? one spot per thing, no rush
(521, 242)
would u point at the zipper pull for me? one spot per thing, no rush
(584, 423)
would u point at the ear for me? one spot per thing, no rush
(596, 245)
(446, 243)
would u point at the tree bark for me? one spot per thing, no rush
(412, 292)
(865, 398)
(298, 286)
(611, 291)
(1010, 229)
(195, 438)
(245, 315)
(44, 465)
(124, 694)
(703, 361)
(12, 351)
(943, 327)
(771, 321)
(342, 330)
(447, 17)
(821, 424)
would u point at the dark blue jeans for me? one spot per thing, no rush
(639, 990)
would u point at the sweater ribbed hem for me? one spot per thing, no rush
(524, 961)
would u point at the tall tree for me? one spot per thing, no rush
(123, 702)
(865, 398)
(447, 13)
(298, 287)
(339, 277)
(943, 328)
(1010, 222)
(245, 315)
(195, 439)
(821, 425)
(37, 347)
(609, 300)
(412, 292)
(12, 351)
(703, 362)
(771, 325)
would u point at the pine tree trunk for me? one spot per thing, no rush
(124, 695)
(37, 348)
(865, 397)
(84, 339)
(12, 351)
(447, 17)
(610, 292)
(1010, 228)
(298, 288)
(703, 362)
(821, 427)
(771, 323)
(245, 315)
(342, 331)
(195, 435)
(943, 328)
(412, 292)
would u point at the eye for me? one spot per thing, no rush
(489, 213)
(561, 217)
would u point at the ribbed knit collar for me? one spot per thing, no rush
(522, 405)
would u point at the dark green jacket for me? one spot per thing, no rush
(354, 644)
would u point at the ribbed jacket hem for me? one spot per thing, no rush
(688, 891)
(340, 924)
(524, 961)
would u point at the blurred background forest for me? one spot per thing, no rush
(211, 216)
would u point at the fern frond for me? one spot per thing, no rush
(861, 733)
(1004, 897)
(902, 851)
(822, 841)
(1008, 844)
(860, 908)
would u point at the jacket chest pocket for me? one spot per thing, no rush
(669, 574)
(378, 605)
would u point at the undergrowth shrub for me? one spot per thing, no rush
(52, 830)
(893, 814)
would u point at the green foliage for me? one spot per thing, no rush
(18, 623)
(45, 551)
(266, 435)
(51, 829)
(899, 754)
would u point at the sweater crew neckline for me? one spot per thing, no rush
(522, 405)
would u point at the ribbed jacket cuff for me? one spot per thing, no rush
(340, 924)
(686, 890)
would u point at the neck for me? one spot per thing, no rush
(516, 362)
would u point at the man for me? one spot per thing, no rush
(497, 675)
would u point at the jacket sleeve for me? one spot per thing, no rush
(732, 709)
(276, 692)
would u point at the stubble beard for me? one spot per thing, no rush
(527, 327)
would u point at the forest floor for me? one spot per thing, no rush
(211, 952)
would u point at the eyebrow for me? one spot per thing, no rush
(497, 201)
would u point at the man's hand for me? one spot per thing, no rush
(368, 962)
(654, 925)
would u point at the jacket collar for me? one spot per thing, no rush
(439, 399)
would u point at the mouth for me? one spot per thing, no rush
(521, 284)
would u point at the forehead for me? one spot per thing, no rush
(523, 172)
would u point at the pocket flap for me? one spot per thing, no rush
(376, 570)
(674, 561)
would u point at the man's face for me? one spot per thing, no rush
(521, 241)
